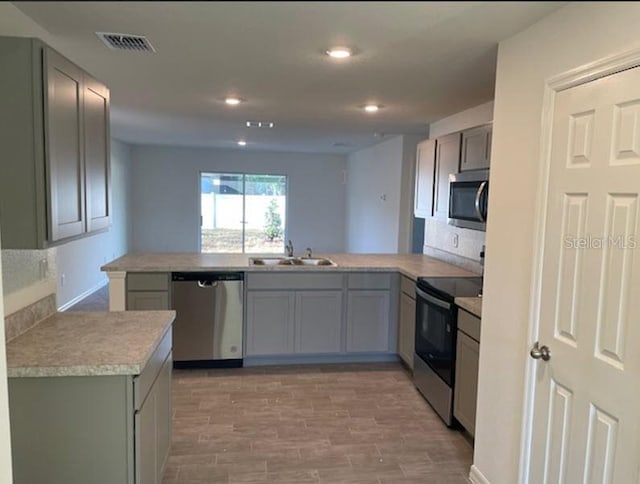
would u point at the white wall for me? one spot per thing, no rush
(380, 196)
(438, 234)
(468, 118)
(573, 36)
(79, 261)
(166, 195)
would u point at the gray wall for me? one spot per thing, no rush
(380, 197)
(166, 204)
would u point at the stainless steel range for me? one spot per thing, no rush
(435, 343)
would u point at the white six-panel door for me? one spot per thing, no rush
(586, 424)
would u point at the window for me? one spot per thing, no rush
(242, 213)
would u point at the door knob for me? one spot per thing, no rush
(540, 352)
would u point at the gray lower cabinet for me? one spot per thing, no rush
(368, 321)
(288, 322)
(407, 326)
(270, 323)
(153, 429)
(148, 291)
(97, 429)
(466, 382)
(54, 132)
(318, 322)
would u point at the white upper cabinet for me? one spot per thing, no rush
(476, 148)
(425, 168)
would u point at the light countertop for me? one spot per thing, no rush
(471, 304)
(84, 344)
(410, 265)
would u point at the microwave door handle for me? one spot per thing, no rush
(481, 188)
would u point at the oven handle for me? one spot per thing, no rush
(477, 204)
(432, 300)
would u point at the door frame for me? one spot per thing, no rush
(591, 71)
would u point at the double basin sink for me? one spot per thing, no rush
(291, 261)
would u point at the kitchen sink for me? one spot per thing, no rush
(290, 261)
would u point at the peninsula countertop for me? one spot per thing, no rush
(410, 265)
(88, 344)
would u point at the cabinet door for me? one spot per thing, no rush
(466, 384)
(270, 318)
(163, 423)
(476, 148)
(96, 154)
(368, 321)
(146, 439)
(407, 329)
(447, 162)
(425, 169)
(318, 327)
(147, 300)
(64, 147)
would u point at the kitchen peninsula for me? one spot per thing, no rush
(346, 312)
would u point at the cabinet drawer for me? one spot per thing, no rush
(469, 324)
(294, 281)
(143, 382)
(408, 286)
(148, 281)
(369, 281)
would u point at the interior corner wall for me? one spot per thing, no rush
(166, 194)
(573, 36)
(373, 204)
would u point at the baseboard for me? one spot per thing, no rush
(87, 293)
(314, 359)
(476, 477)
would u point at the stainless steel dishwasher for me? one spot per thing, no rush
(207, 331)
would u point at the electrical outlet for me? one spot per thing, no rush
(455, 240)
(62, 278)
(44, 268)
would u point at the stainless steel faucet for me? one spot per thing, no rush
(309, 252)
(289, 248)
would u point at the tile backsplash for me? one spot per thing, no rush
(455, 245)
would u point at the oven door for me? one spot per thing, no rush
(435, 334)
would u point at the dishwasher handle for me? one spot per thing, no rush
(205, 284)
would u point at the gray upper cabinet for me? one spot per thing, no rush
(447, 162)
(97, 140)
(54, 131)
(63, 140)
(425, 167)
(476, 148)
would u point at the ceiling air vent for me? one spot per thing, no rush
(132, 43)
(260, 124)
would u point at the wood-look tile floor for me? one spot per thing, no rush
(325, 424)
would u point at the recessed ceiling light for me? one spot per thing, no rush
(339, 52)
(371, 108)
(233, 101)
(242, 143)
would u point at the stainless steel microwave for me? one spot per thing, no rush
(468, 199)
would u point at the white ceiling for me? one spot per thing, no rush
(421, 60)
